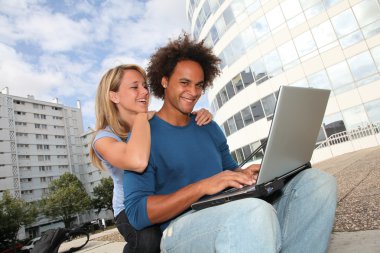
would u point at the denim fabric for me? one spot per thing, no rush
(299, 219)
(138, 241)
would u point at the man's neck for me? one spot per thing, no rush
(173, 116)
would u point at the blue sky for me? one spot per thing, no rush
(61, 48)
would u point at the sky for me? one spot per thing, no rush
(61, 48)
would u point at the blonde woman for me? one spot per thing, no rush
(122, 142)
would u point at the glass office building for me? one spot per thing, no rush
(263, 44)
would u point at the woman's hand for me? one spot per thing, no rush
(203, 117)
(150, 114)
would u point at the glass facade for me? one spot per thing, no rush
(312, 28)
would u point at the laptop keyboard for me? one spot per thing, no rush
(234, 191)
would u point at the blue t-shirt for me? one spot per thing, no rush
(179, 156)
(116, 173)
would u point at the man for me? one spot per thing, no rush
(188, 162)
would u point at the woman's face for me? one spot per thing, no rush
(132, 96)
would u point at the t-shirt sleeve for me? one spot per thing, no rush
(102, 134)
(137, 188)
(220, 140)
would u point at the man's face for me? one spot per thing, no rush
(184, 87)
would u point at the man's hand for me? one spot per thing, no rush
(251, 171)
(225, 179)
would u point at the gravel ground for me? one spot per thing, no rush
(358, 175)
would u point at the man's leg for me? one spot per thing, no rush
(306, 211)
(247, 225)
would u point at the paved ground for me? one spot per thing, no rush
(357, 226)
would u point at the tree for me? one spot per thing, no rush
(14, 213)
(103, 195)
(67, 197)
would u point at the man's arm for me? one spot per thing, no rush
(161, 208)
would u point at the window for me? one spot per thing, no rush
(290, 8)
(272, 62)
(340, 77)
(247, 77)
(226, 129)
(269, 103)
(41, 136)
(319, 80)
(334, 124)
(223, 95)
(19, 102)
(275, 18)
(259, 71)
(231, 125)
(237, 83)
(355, 117)
(305, 44)
(228, 16)
(248, 37)
(373, 111)
(362, 66)
(246, 151)
(257, 111)
(260, 28)
(230, 90)
(323, 34)
(238, 121)
(344, 23)
(367, 12)
(247, 116)
(288, 53)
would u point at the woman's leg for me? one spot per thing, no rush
(142, 241)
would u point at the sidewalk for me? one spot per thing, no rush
(357, 226)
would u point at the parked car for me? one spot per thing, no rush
(30, 245)
(18, 247)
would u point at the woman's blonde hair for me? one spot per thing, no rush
(106, 111)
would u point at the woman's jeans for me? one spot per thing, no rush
(142, 241)
(299, 218)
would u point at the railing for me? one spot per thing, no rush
(363, 131)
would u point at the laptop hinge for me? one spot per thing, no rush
(279, 182)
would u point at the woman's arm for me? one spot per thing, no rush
(202, 117)
(132, 155)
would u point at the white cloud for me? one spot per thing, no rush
(62, 48)
(24, 79)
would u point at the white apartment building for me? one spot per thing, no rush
(89, 175)
(263, 44)
(39, 141)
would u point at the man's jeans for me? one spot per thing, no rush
(300, 219)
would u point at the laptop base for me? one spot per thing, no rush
(260, 191)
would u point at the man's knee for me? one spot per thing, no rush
(252, 210)
(318, 183)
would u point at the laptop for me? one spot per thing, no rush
(291, 141)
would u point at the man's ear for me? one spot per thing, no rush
(114, 97)
(164, 82)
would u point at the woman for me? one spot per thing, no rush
(122, 142)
